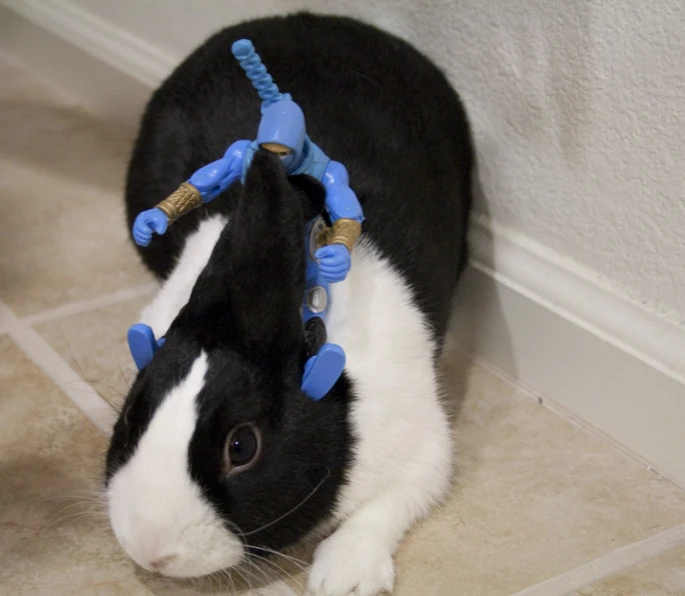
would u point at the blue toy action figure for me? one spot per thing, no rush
(281, 131)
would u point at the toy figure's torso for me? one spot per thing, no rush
(315, 302)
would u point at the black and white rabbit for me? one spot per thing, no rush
(217, 451)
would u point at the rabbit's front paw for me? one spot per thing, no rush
(351, 562)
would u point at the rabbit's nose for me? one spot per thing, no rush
(160, 563)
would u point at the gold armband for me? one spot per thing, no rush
(184, 199)
(344, 231)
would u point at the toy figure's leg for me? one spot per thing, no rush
(325, 361)
(322, 371)
(314, 335)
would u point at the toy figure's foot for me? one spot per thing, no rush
(322, 371)
(142, 344)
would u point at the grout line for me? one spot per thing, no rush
(86, 399)
(101, 301)
(616, 561)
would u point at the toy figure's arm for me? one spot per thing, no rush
(341, 202)
(347, 216)
(214, 178)
(205, 184)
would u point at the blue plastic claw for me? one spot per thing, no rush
(249, 59)
(322, 371)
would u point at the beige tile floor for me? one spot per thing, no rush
(539, 507)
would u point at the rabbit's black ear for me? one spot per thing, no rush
(312, 196)
(250, 293)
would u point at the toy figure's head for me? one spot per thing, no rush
(282, 131)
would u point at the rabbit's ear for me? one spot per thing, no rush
(250, 293)
(312, 196)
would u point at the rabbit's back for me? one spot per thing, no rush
(371, 101)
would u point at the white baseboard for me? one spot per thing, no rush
(89, 61)
(539, 319)
(117, 48)
(549, 326)
(575, 293)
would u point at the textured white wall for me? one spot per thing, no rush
(578, 109)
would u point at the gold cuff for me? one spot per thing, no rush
(184, 199)
(344, 231)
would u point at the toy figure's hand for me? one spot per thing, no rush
(152, 220)
(334, 262)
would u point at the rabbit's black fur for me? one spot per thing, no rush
(235, 352)
(371, 102)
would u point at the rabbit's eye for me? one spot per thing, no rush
(242, 449)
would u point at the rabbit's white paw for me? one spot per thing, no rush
(351, 562)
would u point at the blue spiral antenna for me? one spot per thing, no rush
(251, 63)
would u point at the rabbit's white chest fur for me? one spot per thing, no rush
(402, 456)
